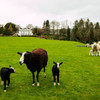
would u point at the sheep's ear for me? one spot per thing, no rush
(19, 53)
(61, 63)
(9, 66)
(54, 62)
(28, 53)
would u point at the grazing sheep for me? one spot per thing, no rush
(87, 45)
(55, 72)
(98, 49)
(95, 47)
(99, 42)
(5, 76)
(35, 61)
(91, 53)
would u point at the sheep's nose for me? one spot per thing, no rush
(20, 63)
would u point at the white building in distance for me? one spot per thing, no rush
(25, 32)
(30, 26)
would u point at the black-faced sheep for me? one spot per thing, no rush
(5, 76)
(55, 72)
(35, 61)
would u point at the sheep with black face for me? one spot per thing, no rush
(55, 72)
(5, 76)
(35, 61)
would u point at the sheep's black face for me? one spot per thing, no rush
(12, 70)
(24, 57)
(57, 64)
(21, 61)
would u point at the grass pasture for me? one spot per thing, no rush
(79, 73)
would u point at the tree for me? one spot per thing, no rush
(97, 32)
(1, 30)
(10, 28)
(68, 33)
(74, 35)
(91, 33)
(34, 30)
(13, 26)
(74, 32)
(63, 32)
(39, 31)
(57, 26)
(7, 32)
(46, 27)
(53, 24)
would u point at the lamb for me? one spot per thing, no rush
(5, 76)
(55, 72)
(35, 61)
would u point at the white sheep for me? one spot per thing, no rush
(99, 42)
(98, 49)
(94, 48)
(87, 45)
(91, 53)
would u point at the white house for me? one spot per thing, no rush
(25, 32)
(30, 26)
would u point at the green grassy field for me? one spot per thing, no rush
(79, 73)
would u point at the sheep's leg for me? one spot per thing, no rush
(58, 80)
(89, 53)
(8, 82)
(44, 73)
(38, 78)
(4, 85)
(33, 80)
(2, 81)
(97, 53)
(92, 53)
(54, 80)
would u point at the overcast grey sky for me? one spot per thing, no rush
(23, 12)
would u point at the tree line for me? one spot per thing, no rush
(8, 29)
(82, 30)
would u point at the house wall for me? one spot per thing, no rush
(23, 32)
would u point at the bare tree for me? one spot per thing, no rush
(57, 26)
(64, 24)
(53, 24)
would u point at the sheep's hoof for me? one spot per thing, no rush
(54, 83)
(38, 84)
(6, 86)
(58, 83)
(33, 84)
(5, 91)
(44, 75)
